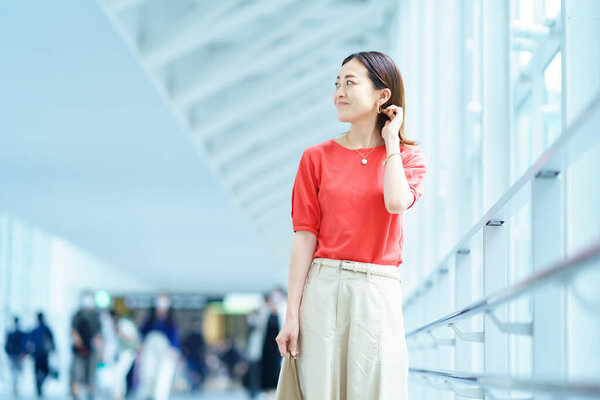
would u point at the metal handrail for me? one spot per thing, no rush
(561, 269)
(502, 382)
(566, 147)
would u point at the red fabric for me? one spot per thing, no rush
(341, 201)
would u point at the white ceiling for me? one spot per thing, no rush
(165, 138)
(251, 81)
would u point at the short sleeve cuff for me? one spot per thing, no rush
(414, 199)
(306, 228)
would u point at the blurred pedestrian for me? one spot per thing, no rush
(256, 326)
(193, 348)
(271, 357)
(87, 346)
(160, 350)
(128, 343)
(15, 349)
(40, 343)
(232, 358)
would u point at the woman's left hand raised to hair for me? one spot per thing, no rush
(392, 125)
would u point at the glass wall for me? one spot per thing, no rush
(491, 87)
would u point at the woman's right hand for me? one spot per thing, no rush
(287, 340)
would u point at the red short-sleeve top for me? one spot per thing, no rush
(341, 201)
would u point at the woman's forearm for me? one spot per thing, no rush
(303, 249)
(396, 191)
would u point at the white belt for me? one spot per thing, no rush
(390, 271)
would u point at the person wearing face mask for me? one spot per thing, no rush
(87, 345)
(344, 322)
(127, 336)
(160, 350)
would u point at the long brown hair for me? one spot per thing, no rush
(384, 73)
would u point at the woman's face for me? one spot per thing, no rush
(355, 96)
(162, 303)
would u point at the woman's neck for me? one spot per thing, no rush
(364, 134)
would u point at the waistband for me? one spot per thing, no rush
(390, 271)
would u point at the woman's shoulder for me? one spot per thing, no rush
(317, 149)
(319, 146)
(413, 156)
(411, 149)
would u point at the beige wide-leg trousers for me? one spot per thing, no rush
(351, 340)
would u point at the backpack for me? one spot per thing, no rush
(40, 342)
(14, 343)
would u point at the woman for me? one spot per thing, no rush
(270, 357)
(160, 350)
(344, 321)
(128, 344)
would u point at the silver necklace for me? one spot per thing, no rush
(364, 157)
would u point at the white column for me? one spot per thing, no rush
(549, 333)
(496, 95)
(427, 123)
(581, 72)
(494, 279)
(451, 149)
(463, 297)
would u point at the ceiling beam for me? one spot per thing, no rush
(296, 114)
(272, 34)
(290, 83)
(288, 86)
(202, 29)
(349, 22)
(290, 150)
(286, 173)
(121, 5)
(254, 187)
(269, 201)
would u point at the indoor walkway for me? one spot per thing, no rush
(209, 395)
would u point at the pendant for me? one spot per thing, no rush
(364, 161)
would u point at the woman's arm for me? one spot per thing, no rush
(396, 191)
(303, 248)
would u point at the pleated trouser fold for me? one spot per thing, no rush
(352, 341)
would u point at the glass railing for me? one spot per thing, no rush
(471, 350)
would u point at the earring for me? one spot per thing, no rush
(378, 110)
